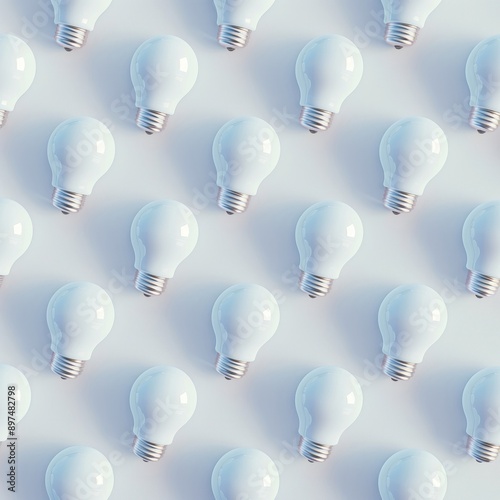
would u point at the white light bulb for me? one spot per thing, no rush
(17, 72)
(245, 151)
(404, 18)
(411, 318)
(80, 151)
(79, 472)
(481, 403)
(236, 20)
(328, 69)
(328, 234)
(244, 318)
(163, 234)
(412, 474)
(328, 400)
(246, 474)
(162, 400)
(79, 315)
(163, 70)
(17, 399)
(74, 19)
(412, 151)
(16, 233)
(481, 238)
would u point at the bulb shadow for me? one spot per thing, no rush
(37, 22)
(203, 25)
(367, 20)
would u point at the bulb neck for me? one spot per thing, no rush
(149, 284)
(70, 37)
(149, 452)
(232, 369)
(66, 367)
(232, 37)
(67, 201)
(399, 201)
(484, 120)
(315, 119)
(151, 121)
(481, 285)
(232, 201)
(482, 451)
(397, 369)
(314, 452)
(3, 117)
(400, 34)
(314, 286)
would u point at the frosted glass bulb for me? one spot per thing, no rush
(412, 151)
(411, 318)
(236, 20)
(79, 315)
(412, 475)
(481, 403)
(80, 151)
(79, 472)
(163, 70)
(328, 400)
(244, 318)
(17, 399)
(481, 238)
(74, 19)
(246, 474)
(328, 69)
(404, 18)
(328, 234)
(162, 400)
(17, 72)
(245, 151)
(16, 229)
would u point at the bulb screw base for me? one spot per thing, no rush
(400, 34)
(232, 369)
(66, 367)
(482, 451)
(3, 117)
(314, 452)
(67, 201)
(151, 121)
(397, 369)
(399, 201)
(314, 286)
(70, 37)
(149, 284)
(484, 120)
(232, 201)
(149, 452)
(1, 280)
(232, 37)
(315, 119)
(481, 285)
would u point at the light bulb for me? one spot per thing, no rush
(163, 234)
(74, 19)
(244, 318)
(80, 151)
(328, 400)
(236, 20)
(412, 474)
(328, 69)
(481, 238)
(16, 230)
(412, 151)
(162, 400)
(163, 70)
(17, 72)
(246, 474)
(404, 18)
(328, 234)
(411, 318)
(245, 151)
(481, 403)
(79, 472)
(79, 315)
(17, 399)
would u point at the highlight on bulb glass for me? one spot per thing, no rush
(244, 317)
(80, 151)
(411, 319)
(80, 315)
(163, 234)
(328, 70)
(245, 151)
(163, 71)
(328, 235)
(481, 239)
(237, 19)
(328, 401)
(162, 400)
(404, 18)
(412, 474)
(412, 152)
(17, 72)
(481, 404)
(79, 472)
(247, 474)
(74, 19)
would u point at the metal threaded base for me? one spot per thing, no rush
(232, 37)
(314, 452)
(70, 37)
(149, 284)
(481, 285)
(399, 201)
(315, 119)
(149, 452)
(400, 34)
(67, 201)
(66, 367)
(1, 280)
(232, 201)
(482, 451)
(397, 369)
(3, 117)
(232, 369)
(484, 120)
(314, 286)
(151, 121)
